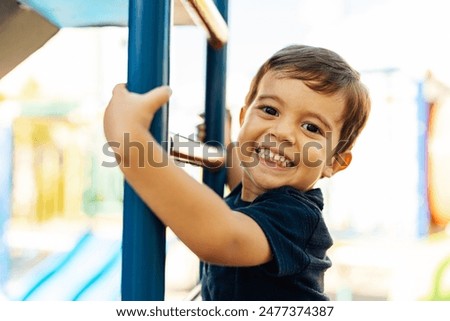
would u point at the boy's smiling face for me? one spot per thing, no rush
(288, 135)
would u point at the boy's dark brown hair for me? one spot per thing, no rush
(325, 72)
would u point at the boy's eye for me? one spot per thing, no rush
(311, 128)
(270, 110)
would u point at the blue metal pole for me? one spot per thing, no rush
(143, 234)
(215, 100)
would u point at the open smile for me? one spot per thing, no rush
(272, 157)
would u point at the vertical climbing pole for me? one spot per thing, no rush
(215, 100)
(143, 234)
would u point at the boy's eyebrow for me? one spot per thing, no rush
(273, 97)
(309, 113)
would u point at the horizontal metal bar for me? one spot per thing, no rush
(205, 13)
(185, 150)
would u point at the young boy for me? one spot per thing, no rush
(267, 240)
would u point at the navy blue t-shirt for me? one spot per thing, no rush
(293, 224)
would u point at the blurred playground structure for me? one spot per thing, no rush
(61, 210)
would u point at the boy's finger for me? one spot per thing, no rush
(157, 97)
(118, 88)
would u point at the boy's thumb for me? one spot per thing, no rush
(157, 97)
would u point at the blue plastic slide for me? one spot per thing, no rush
(90, 271)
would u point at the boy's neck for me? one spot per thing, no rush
(249, 192)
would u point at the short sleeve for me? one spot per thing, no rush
(288, 222)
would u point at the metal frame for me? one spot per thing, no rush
(215, 101)
(212, 17)
(143, 257)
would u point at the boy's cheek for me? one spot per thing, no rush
(246, 154)
(313, 155)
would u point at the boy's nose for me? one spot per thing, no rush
(284, 133)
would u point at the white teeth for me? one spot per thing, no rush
(267, 154)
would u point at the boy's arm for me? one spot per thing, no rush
(199, 217)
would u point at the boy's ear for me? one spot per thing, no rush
(340, 162)
(242, 115)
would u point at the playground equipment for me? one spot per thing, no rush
(148, 63)
(438, 293)
(75, 275)
(149, 25)
(439, 156)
